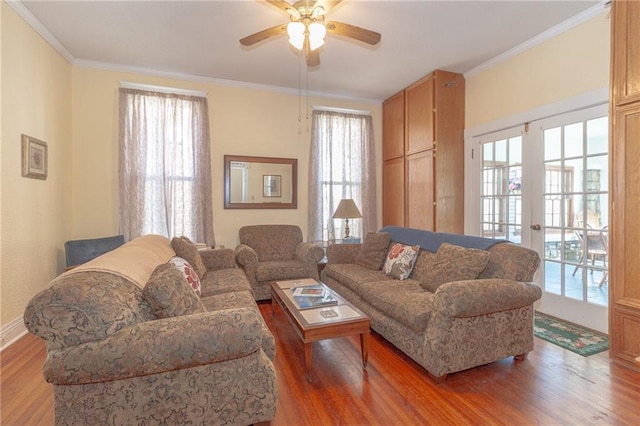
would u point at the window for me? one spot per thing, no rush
(342, 165)
(501, 196)
(165, 171)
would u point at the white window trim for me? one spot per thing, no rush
(162, 89)
(473, 157)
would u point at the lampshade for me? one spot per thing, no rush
(347, 209)
(317, 32)
(296, 34)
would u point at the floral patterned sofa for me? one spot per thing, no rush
(129, 341)
(468, 301)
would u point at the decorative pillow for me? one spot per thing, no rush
(455, 263)
(188, 272)
(400, 261)
(169, 294)
(185, 249)
(374, 250)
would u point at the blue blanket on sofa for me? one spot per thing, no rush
(431, 241)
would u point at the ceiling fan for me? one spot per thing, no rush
(307, 28)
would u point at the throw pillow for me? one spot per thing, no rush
(455, 263)
(169, 294)
(185, 249)
(400, 261)
(189, 273)
(374, 250)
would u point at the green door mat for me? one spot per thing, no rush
(575, 338)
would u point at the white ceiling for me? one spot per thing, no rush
(199, 39)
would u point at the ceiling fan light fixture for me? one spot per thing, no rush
(317, 31)
(296, 34)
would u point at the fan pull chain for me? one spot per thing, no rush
(299, 86)
(306, 67)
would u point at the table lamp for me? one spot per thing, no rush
(347, 209)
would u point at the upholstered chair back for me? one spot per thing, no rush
(272, 242)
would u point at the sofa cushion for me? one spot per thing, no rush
(189, 273)
(185, 249)
(424, 263)
(455, 263)
(511, 262)
(404, 301)
(280, 270)
(400, 261)
(373, 251)
(352, 276)
(225, 280)
(169, 294)
(237, 299)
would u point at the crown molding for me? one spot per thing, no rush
(542, 37)
(35, 23)
(216, 81)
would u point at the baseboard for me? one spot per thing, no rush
(11, 332)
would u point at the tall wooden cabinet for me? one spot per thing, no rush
(423, 155)
(624, 242)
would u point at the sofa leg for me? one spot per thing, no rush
(520, 357)
(437, 379)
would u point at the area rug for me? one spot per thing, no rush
(575, 338)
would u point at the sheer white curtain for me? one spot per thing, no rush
(341, 165)
(165, 165)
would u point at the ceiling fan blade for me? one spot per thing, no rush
(351, 31)
(280, 4)
(327, 4)
(313, 58)
(264, 34)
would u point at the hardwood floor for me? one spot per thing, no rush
(552, 386)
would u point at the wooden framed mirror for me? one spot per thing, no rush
(260, 182)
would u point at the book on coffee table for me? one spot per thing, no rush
(315, 301)
(310, 290)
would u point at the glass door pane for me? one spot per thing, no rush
(501, 189)
(576, 210)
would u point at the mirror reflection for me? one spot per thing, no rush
(260, 182)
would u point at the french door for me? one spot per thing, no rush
(545, 186)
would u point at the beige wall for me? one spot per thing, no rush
(75, 110)
(570, 64)
(243, 121)
(35, 215)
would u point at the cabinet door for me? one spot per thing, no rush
(393, 127)
(419, 191)
(626, 52)
(419, 114)
(393, 192)
(624, 244)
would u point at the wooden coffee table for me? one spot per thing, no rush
(315, 324)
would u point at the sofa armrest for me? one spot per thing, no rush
(483, 296)
(217, 259)
(246, 256)
(159, 346)
(342, 253)
(309, 253)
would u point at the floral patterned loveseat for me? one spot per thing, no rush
(468, 301)
(129, 341)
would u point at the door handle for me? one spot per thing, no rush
(536, 227)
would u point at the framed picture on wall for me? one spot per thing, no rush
(272, 185)
(34, 158)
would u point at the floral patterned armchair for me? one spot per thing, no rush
(275, 252)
